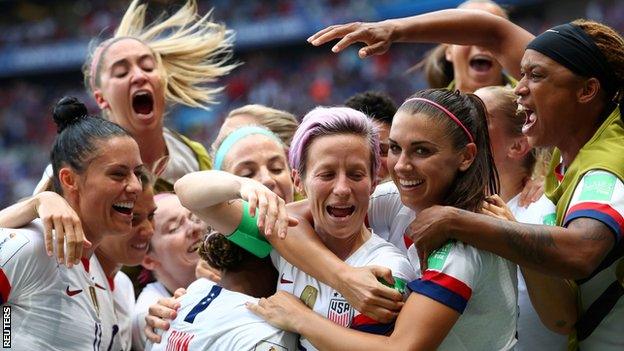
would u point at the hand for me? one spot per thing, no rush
(282, 310)
(430, 230)
(495, 207)
(532, 191)
(271, 209)
(204, 270)
(57, 215)
(359, 285)
(160, 314)
(378, 36)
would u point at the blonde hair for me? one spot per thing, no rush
(281, 123)
(189, 49)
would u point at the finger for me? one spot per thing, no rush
(49, 241)
(377, 48)
(328, 34)
(71, 242)
(382, 315)
(283, 220)
(179, 292)
(271, 216)
(262, 210)
(383, 273)
(153, 337)
(256, 309)
(60, 240)
(292, 221)
(82, 243)
(348, 39)
(252, 199)
(422, 257)
(522, 201)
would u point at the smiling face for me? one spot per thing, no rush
(261, 158)
(422, 160)
(548, 93)
(130, 249)
(131, 89)
(337, 182)
(177, 236)
(107, 190)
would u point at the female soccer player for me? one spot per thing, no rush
(143, 69)
(571, 87)
(96, 168)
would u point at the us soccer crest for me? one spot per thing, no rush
(339, 312)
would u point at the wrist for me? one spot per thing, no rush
(396, 30)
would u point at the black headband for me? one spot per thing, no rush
(573, 48)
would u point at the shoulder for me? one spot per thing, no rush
(385, 190)
(23, 243)
(542, 211)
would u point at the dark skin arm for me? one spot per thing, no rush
(572, 253)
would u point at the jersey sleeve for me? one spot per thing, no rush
(20, 264)
(385, 204)
(452, 273)
(600, 196)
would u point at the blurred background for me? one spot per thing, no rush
(43, 45)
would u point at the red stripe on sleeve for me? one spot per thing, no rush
(5, 287)
(603, 208)
(453, 284)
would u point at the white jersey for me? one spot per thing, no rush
(123, 295)
(532, 334)
(213, 318)
(600, 196)
(148, 296)
(388, 217)
(479, 285)
(52, 307)
(181, 161)
(328, 302)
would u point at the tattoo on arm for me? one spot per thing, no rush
(528, 241)
(592, 229)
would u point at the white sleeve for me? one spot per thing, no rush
(385, 204)
(22, 263)
(45, 179)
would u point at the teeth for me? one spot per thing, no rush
(142, 246)
(342, 207)
(405, 182)
(128, 204)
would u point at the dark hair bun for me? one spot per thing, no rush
(68, 111)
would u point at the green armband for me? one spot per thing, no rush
(399, 284)
(248, 236)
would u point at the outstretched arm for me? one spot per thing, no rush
(504, 39)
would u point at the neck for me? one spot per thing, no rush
(344, 247)
(252, 278)
(512, 179)
(173, 282)
(577, 137)
(109, 266)
(152, 147)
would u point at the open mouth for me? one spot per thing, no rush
(340, 211)
(530, 118)
(142, 246)
(481, 64)
(194, 247)
(410, 183)
(143, 103)
(124, 207)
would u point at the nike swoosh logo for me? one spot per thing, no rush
(72, 292)
(285, 281)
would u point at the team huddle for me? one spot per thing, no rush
(484, 213)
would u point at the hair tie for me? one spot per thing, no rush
(447, 112)
(235, 137)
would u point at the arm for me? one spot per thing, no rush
(208, 194)
(422, 325)
(56, 214)
(572, 253)
(504, 39)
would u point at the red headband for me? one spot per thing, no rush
(448, 113)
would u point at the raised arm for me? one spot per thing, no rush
(57, 215)
(503, 38)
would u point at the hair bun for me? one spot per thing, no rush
(68, 111)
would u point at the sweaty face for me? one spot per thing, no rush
(338, 184)
(130, 249)
(109, 187)
(260, 158)
(422, 161)
(177, 236)
(131, 89)
(548, 93)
